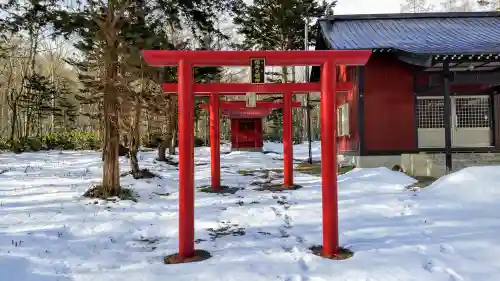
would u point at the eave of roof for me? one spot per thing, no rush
(475, 35)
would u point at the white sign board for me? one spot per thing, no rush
(251, 99)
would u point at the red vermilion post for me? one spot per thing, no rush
(287, 139)
(215, 141)
(329, 159)
(186, 160)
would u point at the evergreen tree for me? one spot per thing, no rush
(279, 25)
(65, 109)
(43, 99)
(36, 102)
(30, 17)
(489, 4)
(416, 6)
(449, 5)
(111, 34)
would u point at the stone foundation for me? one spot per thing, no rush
(433, 164)
(423, 164)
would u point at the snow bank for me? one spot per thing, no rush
(377, 177)
(469, 184)
(461, 221)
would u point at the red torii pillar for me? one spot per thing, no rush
(287, 140)
(215, 141)
(186, 163)
(329, 159)
(188, 59)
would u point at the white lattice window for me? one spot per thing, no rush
(343, 120)
(472, 112)
(467, 112)
(430, 113)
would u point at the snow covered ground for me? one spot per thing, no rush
(48, 232)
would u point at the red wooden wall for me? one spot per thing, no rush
(351, 142)
(422, 80)
(389, 123)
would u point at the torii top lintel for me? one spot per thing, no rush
(242, 58)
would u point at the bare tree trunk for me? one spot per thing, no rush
(173, 140)
(111, 175)
(297, 115)
(164, 144)
(29, 122)
(162, 150)
(171, 137)
(13, 121)
(135, 139)
(148, 127)
(167, 136)
(53, 99)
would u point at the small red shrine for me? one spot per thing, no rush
(246, 122)
(246, 128)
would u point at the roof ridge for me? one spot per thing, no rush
(403, 16)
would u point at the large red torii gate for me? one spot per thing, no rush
(186, 89)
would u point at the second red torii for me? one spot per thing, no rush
(242, 104)
(260, 89)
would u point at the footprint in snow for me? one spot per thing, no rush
(288, 221)
(427, 233)
(408, 202)
(436, 267)
(303, 265)
(406, 211)
(446, 249)
(276, 212)
(421, 248)
(453, 275)
(432, 266)
(297, 278)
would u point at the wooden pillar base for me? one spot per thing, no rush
(199, 255)
(340, 254)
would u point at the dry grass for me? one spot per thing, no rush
(98, 192)
(315, 169)
(423, 182)
(276, 187)
(222, 190)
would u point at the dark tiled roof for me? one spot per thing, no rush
(439, 33)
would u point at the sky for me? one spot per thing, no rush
(368, 6)
(365, 6)
(376, 6)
